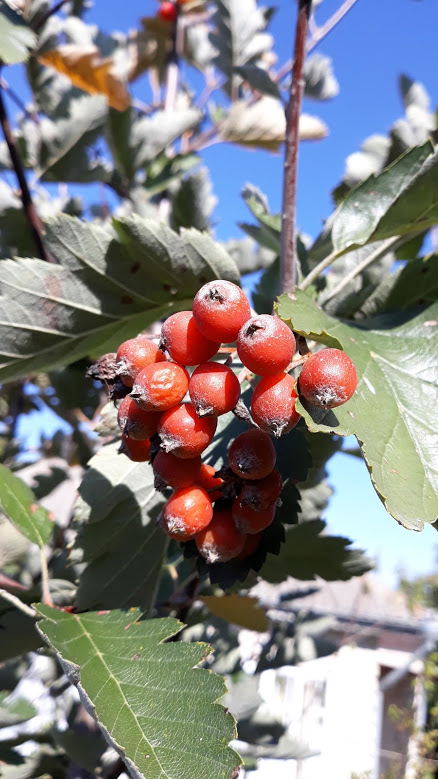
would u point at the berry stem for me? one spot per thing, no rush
(288, 253)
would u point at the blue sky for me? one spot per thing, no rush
(376, 42)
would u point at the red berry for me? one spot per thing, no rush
(134, 355)
(187, 512)
(183, 433)
(160, 386)
(251, 545)
(273, 404)
(206, 478)
(214, 389)
(260, 495)
(134, 422)
(168, 12)
(184, 342)
(265, 345)
(252, 454)
(328, 378)
(171, 471)
(138, 451)
(249, 521)
(220, 308)
(220, 541)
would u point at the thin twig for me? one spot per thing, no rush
(18, 603)
(45, 583)
(39, 24)
(288, 258)
(18, 101)
(318, 269)
(26, 198)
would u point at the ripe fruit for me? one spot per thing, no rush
(220, 308)
(134, 422)
(328, 378)
(260, 495)
(265, 345)
(183, 433)
(214, 389)
(187, 512)
(171, 471)
(220, 541)
(184, 342)
(168, 12)
(251, 545)
(249, 521)
(160, 386)
(134, 355)
(273, 404)
(138, 451)
(206, 478)
(252, 454)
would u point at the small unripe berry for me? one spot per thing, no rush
(160, 386)
(273, 404)
(214, 389)
(220, 308)
(138, 451)
(249, 521)
(134, 422)
(171, 471)
(187, 512)
(220, 541)
(206, 478)
(260, 495)
(134, 355)
(167, 11)
(252, 454)
(265, 345)
(183, 433)
(328, 378)
(184, 342)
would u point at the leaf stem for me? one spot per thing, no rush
(39, 24)
(26, 198)
(45, 583)
(288, 258)
(18, 603)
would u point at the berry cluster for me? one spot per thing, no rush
(224, 513)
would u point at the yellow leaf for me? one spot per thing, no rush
(87, 70)
(239, 610)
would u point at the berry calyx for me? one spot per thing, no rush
(220, 541)
(328, 378)
(214, 389)
(212, 484)
(171, 471)
(273, 404)
(134, 422)
(184, 341)
(138, 451)
(134, 355)
(183, 433)
(160, 386)
(168, 11)
(249, 521)
(260, 495)
(252, 455)
(187, 512)
(265, 345)
(220, 308)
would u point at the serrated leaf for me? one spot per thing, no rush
(19, 504)
(16, 37)
(259, 80)
(118, 536)
(414, 285)
(154, 707)
(103, 291)
(400, 200)
(307, 554)
(242, 610)
(392, 412)
(263, 124)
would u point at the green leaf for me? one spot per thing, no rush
(244, 611)
(104, 290)
(194, 202)
(267, 233)
(414, 285)
(400, 200)
(16, 38)
(14, 712)
(19, 504)
(18, 632)
(308, 554)
(155, 708)
(392, 412)
(258, 79)
(118, 536)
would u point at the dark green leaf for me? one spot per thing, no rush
(414, 285)
(19, 504)
(258, 79)
(16, 38)
(17, 632)
(155, 708)
(194, 202)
